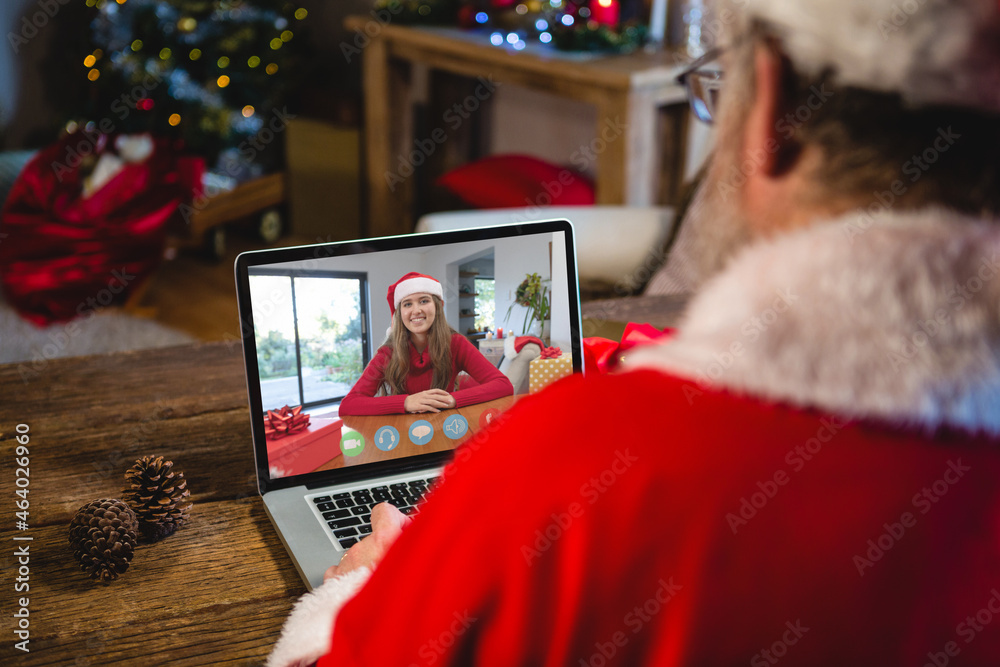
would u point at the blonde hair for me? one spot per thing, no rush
(438, 346)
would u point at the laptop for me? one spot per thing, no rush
(313, 317)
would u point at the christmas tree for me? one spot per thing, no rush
(213, 75)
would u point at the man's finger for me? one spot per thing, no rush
(387, 517)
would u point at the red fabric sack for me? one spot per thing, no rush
(62, 254)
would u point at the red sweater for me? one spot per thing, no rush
(464, 357)
(646, 521)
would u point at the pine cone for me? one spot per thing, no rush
(158, 495)
(103, 535)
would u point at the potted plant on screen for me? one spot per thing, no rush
(534, 295)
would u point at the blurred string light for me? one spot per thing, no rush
(482, 17)
(208, 110)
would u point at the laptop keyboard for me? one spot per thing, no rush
(349, 514)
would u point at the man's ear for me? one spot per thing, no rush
(769, 138)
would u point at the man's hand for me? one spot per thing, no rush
(387, 524)
(432, 400)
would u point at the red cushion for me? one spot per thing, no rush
(506, 181)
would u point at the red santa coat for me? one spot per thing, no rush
(791, 478)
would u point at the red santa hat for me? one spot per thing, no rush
(412, 283)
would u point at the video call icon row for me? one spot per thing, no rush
(387, 437)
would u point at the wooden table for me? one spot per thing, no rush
(627, 90)
(217, 591)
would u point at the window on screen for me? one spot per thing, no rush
(308, 334)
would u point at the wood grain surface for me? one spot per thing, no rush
(215, 592)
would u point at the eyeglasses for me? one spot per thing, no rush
(703, 86)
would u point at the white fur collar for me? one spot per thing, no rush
(894, 318)
(306, 634)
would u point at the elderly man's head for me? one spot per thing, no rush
(831, 106)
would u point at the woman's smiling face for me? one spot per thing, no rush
(417, 312)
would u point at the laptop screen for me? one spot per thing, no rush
(330, 369)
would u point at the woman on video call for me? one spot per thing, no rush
(417, 367)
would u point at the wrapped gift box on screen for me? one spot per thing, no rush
(307, 449)
(545, 371)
